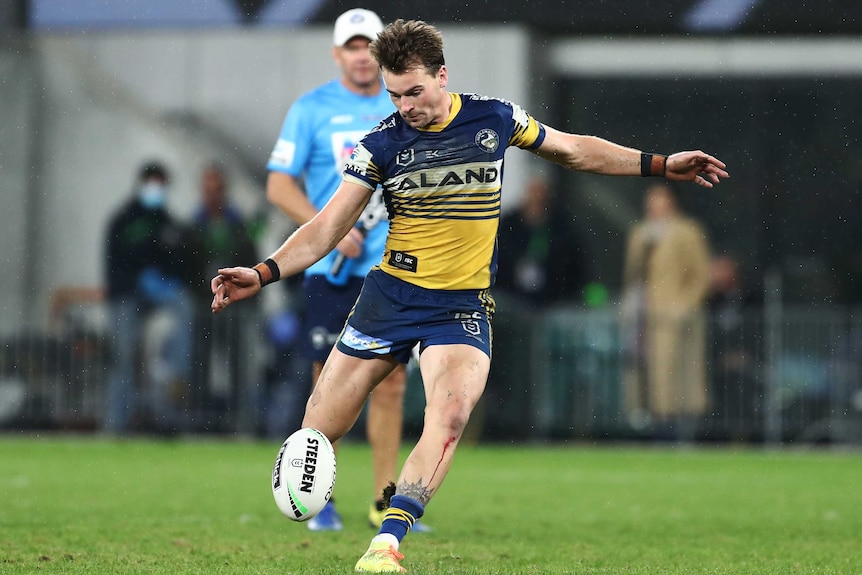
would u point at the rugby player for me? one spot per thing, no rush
(439, 160)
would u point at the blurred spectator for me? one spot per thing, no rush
(221, 345)
(147, 277)
(541, 259)
(541, 263)
(666, 278)
(735, 349)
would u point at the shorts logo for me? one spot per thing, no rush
(488, 140)
(355, 339)
(470, 323)
(405, 157)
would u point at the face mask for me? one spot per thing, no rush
(151, 195)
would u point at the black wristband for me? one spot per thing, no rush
(267, 272)
(653, 165)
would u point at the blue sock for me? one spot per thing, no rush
(400, 516)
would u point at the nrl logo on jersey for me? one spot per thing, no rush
(405, 157)
(488, 140)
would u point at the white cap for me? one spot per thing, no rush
(356, 22)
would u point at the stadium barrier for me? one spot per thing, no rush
(771, 376)
(787, 376)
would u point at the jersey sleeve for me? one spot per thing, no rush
(527, 133)
(291, 152)
(361, 168)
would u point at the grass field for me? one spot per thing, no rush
(83, 505)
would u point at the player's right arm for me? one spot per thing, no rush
(305, 246)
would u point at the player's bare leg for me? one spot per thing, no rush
(454, 377)
(344, 384)
(341, 386)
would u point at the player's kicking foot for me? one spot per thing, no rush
(381, 557)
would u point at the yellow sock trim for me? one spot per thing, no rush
(400, 515)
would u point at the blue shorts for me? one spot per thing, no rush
(391, 316)
(326, 308)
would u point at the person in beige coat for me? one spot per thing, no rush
(666, 279)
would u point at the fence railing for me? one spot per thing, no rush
(792, 375)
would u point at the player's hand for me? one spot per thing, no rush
(233, 284)
(697, 167)
(351, 244)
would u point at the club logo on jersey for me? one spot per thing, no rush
(405, 157)
(488, 140)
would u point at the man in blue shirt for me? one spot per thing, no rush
(318, 136)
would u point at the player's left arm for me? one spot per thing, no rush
(599, 156)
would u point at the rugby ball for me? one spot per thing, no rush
(304, 474)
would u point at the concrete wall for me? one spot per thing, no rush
(17, 135)
(105, 102)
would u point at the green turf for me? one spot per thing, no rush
(79, 505)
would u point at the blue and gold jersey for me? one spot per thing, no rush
(442, 188)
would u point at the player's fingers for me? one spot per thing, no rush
(216, 282)
(701, 181)
(716, 162)
(219, 303)
(216, 305)
(233, 275)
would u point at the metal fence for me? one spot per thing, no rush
(783, 376)
(774, 376)
(244, 376)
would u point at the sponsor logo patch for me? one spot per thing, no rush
(403, 261)
(282, 154)
(357, 340)
(359, 160)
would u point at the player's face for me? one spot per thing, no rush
(358, 68)
(420, 97)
